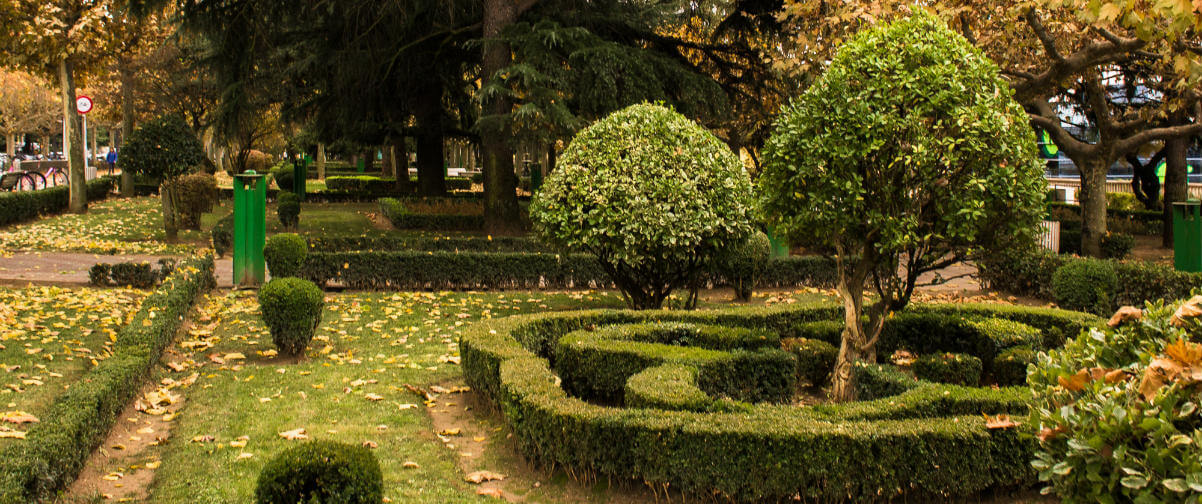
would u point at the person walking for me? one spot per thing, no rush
(111, 159)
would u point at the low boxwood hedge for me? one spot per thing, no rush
(401, 218)
(954, 368)
(369, 183)
(19, 206)
(56, 449)
(930, 440)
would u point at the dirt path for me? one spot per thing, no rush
(71, 268)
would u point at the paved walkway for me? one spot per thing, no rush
(71, 268)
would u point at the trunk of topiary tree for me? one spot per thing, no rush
(1093, 203)
(78, 199)
(859, 339)
(1176, 184)
(168, 195)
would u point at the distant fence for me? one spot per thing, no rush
(1072, 185)
(1049, 236)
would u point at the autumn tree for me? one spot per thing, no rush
(908, 153)
(27, 105)
(59, 38)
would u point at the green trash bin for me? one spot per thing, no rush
(778, 246)
(1187, 236)
(300, 175)
(250, 229)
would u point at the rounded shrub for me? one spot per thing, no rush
(285, 254)
(815, 359)
(223, 235)
(324, 472)
(1010, 366)
(196, 194)
(1085, 286)
(292, 311)
(654, 196)
(284, 176)
(744, 263)
(953, 368)
(162, 148)
(288, 208)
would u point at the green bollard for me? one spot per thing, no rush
(250, 229)
(1187, 236)
(299, 175)
(777, 246)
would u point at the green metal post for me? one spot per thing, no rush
(536, 179)
(299, 176)
(778, 247)
(1187, 236)
(250, 229)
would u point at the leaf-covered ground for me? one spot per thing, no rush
(351, 387)
(113, 226)
(50, 336)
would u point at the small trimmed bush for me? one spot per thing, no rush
(140, 275)
(285, 254)
(292, 311)
(743, 264)
(284, 177)
(196, 194)
(223, 235)
(288, 207)
(1085, 286)
(815, 359)
(324, 472)
(875, 381)
(952, 368)
(1010, 366)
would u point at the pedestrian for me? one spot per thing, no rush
(111, 159)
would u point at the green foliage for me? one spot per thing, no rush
(288, 207)
(325, 472)
(815, 359)
(1010, 366)
(1085, 286)
(830, 331)
(284, 176)
(953, 368)
(842, 452)
(743, 264)
(1122, 201)
(396, 212)
(195, 195)
(1008, 333)
(911, 142)
(651, 194)
(450, 243)
(140, 275)
(163, 148)
(1105, 440)
(223, 235)
(1114, 245)
(55, 449)
(381, 185)
(876, 381)
(1138, 221)
(18, 206)
(285, 254)
(292, 311)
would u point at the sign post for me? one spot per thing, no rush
(83, 105)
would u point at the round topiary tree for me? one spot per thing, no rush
(743, 264)
(906, 155)
(292, 311)
(1085, 285)
(163, 149)
(285, 254)
(653, 195)
(321, 471)
(288, 208)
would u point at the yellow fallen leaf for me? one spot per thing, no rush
(482, 476)
(294, 434)
(18, 417)
(373, 397)
(154, 465)
(450, 432)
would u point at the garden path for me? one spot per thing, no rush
(71, 268)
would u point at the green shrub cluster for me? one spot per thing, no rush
(292, 311)
(1119, 413)
(743, 264)
(953, 368)
(321, 472)
(140, 275)
(196, 194)
(1085, 286)
(401, 218)
(1137, 221)
(18, 206)
(929, 440)
(285, 254)
(1115, 245)
(876, 381)
(223, 235)
(1010, 366)
(55, 449)
(380, 185)
(288, 208)
(815, 359)
(284, 176)
(450, 243)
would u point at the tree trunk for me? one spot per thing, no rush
(75, 149)
(400, 152)
(10, 145)
(1093, 204)
(167, 195)
(501, 215)
(321, 161)
(369, 161)
(127, 121)
(388, 164)
(1176, 184)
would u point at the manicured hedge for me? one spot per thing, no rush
(18, 206)
(57, 448)
(929, 441)
(394, 210)
(409, 270)
(423, 243)
(368, 183)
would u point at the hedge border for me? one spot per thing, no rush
(56, 449)
(930, 440)
(20, 206)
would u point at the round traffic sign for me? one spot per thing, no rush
(83, 104)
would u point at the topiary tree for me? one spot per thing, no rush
(906, 155)
(743, 264)
(291, 308)
(653, 195)
(163, 149)
(285, 254)
(321, 472)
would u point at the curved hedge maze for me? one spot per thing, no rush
(700, 401)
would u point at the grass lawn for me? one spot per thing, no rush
(113, 226)
(316, 218)
(50, 336)
(350, 388)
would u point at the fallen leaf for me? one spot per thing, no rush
(999, 422)
(482, 476)
(450, 432)
(410, 465)
(154, 465)
(1125, 314)
(294, 434)
(373, 397)
(490, 492)
(203, 439)
(18, 417)
(370, 444)
(1189, 309)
